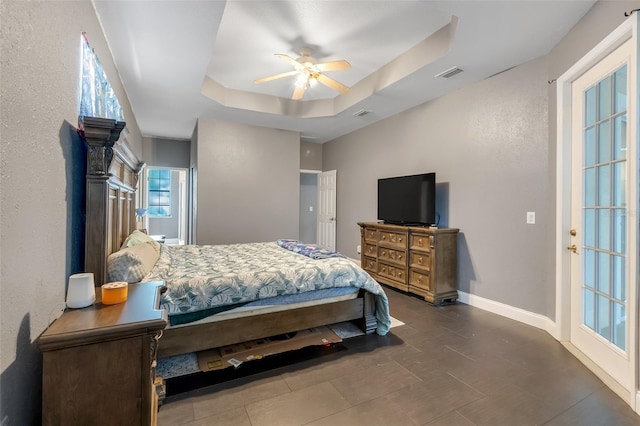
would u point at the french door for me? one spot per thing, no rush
(603, 234)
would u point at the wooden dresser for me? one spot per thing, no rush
(418, 260)
(99, 362)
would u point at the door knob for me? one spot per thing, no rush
(572, 248)
(572, 232)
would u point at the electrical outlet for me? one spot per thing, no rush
(531, 218)
(358, 248)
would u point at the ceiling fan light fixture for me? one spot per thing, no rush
(302, 81)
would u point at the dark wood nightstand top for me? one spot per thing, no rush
(139, 314)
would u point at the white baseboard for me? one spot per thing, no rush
(356, 261)
(511, 312)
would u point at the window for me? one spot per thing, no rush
(98, 98)
(159, 193)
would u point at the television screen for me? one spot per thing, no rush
(408, 200)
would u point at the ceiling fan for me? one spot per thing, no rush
(309, 73)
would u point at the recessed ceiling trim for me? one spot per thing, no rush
(422, 54)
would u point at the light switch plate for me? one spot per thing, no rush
(531, 218)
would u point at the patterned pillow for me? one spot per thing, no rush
(131, 264)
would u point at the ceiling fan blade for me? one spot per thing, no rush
(298, 93)
(329, 82)
(333, 66)
(275, 77)
(289, 59)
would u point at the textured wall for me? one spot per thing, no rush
(41, 186)
(310, 156)
(248, 183)
(162, 152)
(493, 147)
(487, 144)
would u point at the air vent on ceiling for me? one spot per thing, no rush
(449, 73)
(361, 113)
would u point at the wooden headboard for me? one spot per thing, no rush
(112, 179)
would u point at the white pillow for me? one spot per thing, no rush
(131, 264)
(135, 238)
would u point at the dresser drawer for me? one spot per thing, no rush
(370, 265)
(370, 249)
(393, 239)
(370, 234)
(421, 242)
(391, 272)
(420, 279)
(395, 256)
(420, 260)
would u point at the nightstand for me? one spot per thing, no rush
(99, 362)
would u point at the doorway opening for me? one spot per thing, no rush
(165, 201)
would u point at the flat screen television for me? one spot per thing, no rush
(408, 200)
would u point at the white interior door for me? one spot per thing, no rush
(603, 221)
(327, 209)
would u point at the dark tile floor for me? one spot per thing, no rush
(449, 365)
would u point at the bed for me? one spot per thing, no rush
(112, 175)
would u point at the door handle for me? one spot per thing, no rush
(573, 248)
(332, 219)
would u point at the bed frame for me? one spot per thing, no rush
(112, 178)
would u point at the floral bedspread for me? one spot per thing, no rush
(204, 280)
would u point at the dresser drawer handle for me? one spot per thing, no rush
(420, 260)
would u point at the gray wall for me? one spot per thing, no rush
(308, 198)
(488, 146)
(492, 146)
(162, 152)
(41, 181)
(248, 183)
(310, 156)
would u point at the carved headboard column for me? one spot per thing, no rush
(112, 177)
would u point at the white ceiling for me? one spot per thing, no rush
(180, 60)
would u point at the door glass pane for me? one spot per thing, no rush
(590, 187)
(590, 227)
(604, 142)
(589, 268)
(588, 309)
(620, 184)
(604, 226)
(603, 273)
(604, 98)
(619, 326)
(619, 290)
(619, 231)
(590, 107)
(620, 137)
(590, 146)
(620, 93)
(603, 327)
(604, 185)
